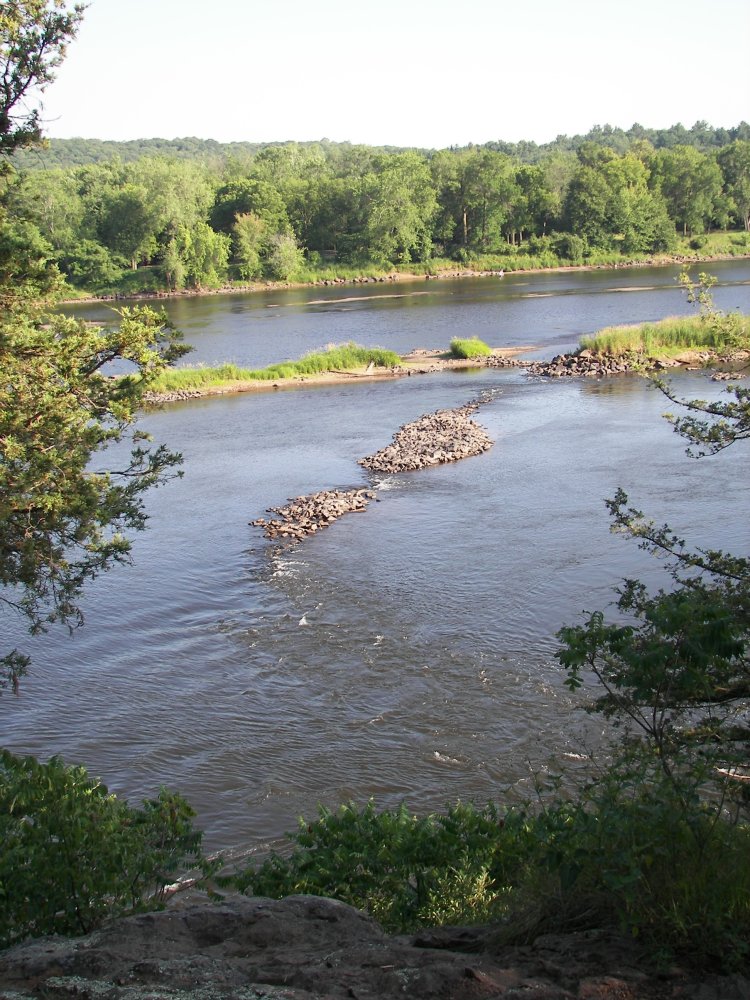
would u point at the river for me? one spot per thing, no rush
(405, 653)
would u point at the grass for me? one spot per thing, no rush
(341, 358)
(671, 336)
(471, 347)
(717, 244)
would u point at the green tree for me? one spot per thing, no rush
(691, 183)
(257, 196)
(587, 205)
(61, 522)
(401, 205)
(26, 265)
(491, 193)
(51, 201)
(676, 667)
(734, 161)
(610, 204)
(199, 256)
(90, 265)
(73, 854)
(127, 222)
(180, 192)
(33, 38)
(249, 241)
(284, 257)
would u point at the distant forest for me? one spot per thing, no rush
(156, 214)
(78, 152)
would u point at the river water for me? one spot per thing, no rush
(406, 653)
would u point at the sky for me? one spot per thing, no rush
(425, 73)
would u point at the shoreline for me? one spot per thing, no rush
(421, 361)
(418, 362)
(254, 287)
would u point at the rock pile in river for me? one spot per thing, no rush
(173, 396)
(444, 436)
(307, 514)
(584, 363)
(502, 361)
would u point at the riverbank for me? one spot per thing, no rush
(395, 276)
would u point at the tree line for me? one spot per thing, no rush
(76, 152)
(279, 211)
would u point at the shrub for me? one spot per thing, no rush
(73, 854)
(639, 850)
(630, 851)
(405, 870)
(471, 347)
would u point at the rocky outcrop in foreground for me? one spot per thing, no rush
(307, 514)
(444, 436)
(307, 948)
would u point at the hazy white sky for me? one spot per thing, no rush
(429, 73)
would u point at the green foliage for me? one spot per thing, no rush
(90, 265)
(677, 670)
(27, 269)
(639, 852)
(627, 852)
(197, 257)
(284, 258)
(248, 241)
(367, 211)
(342, 358)
(73, 854)
(407, 871)
(674, 673)
(34, 35)
(62, 523)
(470, 347)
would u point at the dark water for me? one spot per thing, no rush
(404, 653)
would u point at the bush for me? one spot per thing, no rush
(471, 347)
(73, 854)
(630, 851)
(405, 870)
(570, 246)
(639, 850)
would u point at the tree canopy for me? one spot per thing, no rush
(34, 35)
(67, 390)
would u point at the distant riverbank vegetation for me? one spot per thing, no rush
(345, 357)
(164, 217)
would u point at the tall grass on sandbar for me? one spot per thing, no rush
(670, 336)
(471, 347)
(344, 357)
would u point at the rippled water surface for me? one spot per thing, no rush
(406, 652)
